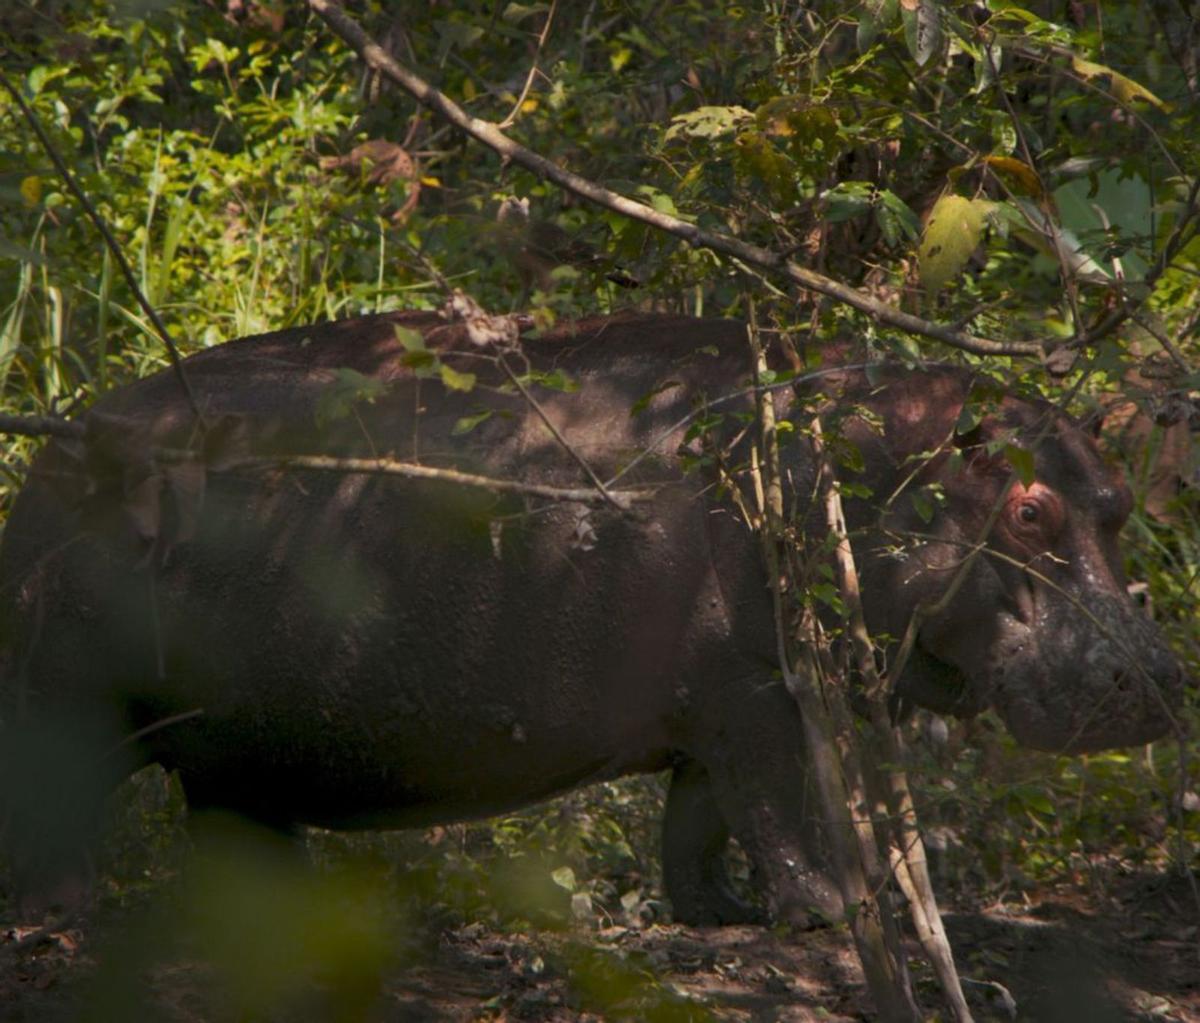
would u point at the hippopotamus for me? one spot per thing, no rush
(322, 644)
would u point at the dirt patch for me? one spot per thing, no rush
(1129, 951)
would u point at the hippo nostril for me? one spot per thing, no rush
(1124, 681)
(1139, 596)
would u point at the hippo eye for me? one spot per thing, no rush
(1028, 512)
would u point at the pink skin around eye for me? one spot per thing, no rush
(1033, 514)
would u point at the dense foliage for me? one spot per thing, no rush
(1024, 171)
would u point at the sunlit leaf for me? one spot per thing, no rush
(708, 122)
(1126, 90)
(456, 380)
(1021, 459)
(31, 189)
(412, 340)
(1017, 174)
(922, 20)
(954, 230)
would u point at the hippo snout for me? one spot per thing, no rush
(1109, 683)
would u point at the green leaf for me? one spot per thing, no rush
(37, 78)
(658, 200)
(952, 234)
(348, 388)
(564, 877)
(897, 222)
(969, 417)
(1021, 459)
(702, 425)
(412, 340)
(423, 363)
(829, 595)
(468, 423)
(456, 380)
(877, 16)
(922, 20)
(516, 12)
(923, 505)
(848, 199)
(644, 401)
(457, 34)
(988, 60)
(770, 377)
(708, 122)
(556, 380)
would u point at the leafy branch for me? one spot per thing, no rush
(490, 135)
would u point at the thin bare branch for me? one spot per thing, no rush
(907, 855)
(466, 307)
(533, 68)
(620, 499)
(836, 770)
(623, 500)
(156, 726)
(41, 426)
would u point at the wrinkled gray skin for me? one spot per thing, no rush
(374, 652)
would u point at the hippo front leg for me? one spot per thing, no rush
(694, 840)
(757, 781)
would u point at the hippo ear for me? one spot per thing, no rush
(973, 447)
(972, 438)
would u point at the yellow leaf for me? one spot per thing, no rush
(469, 92)
(529, 106)
(1124, 90)
(1017, 173)
(951, 235)
(31, 189)
(456, 381)
(429, 182)
(620, 57)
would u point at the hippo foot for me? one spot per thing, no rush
(808, 907)
(713, 907)
(59, 898)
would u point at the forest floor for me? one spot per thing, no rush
(1128, 949)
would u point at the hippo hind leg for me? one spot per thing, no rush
(695, 836)
(55, 774)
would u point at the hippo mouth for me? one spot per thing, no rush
(939, 686)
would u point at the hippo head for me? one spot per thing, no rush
(1041, 627)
